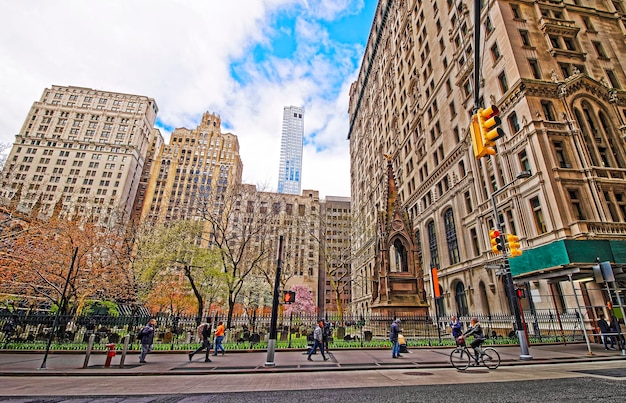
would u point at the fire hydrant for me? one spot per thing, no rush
(110, 354)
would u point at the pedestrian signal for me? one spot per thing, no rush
(289, 297)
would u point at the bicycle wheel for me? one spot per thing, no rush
(460, 358)
(490, 358)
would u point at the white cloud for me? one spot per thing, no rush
(181, 53)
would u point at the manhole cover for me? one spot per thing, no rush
(418, 373)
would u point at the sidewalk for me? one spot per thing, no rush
(177, 363)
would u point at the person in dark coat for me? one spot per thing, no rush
(617, 330)
(205, 334)
(456, 326)
(393, 337)
(147, 337)
(605, 331)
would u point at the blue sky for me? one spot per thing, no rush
(241, 59)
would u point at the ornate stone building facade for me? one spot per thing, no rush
(192, 171)
(555, 69)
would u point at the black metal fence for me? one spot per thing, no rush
(175, 332)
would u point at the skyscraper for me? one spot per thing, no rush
(290, 172)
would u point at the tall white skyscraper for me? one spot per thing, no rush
(290, 172)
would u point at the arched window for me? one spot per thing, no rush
(484, 298)
(453, 245)
(432, 243)
(418, 244)
(587, 136)
(461, 299)
(441, 307)
(398, 257)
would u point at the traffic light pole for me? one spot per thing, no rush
(513, 300)
(271, 342)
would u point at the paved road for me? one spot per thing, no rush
(575, 382)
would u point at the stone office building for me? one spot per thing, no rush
(83, 148)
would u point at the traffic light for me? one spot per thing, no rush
(496, 241)
(477, 138)
(485, 131)
(289, 297)
(514, 245)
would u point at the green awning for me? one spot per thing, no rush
(568, 252)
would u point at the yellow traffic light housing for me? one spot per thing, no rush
(514, 245)
(496, 241)
(485, 131)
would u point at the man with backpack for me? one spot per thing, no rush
(204, 333)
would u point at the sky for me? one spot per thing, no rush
(243, 60)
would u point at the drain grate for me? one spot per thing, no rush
(418, 373)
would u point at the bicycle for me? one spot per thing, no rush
(462, 357)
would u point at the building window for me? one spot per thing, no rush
(468, 202)
(495, 53)
(548, 110)
(534, 68)
(523, 160)
(576, 204)
(560, 154)
(525, 37)
(432, 243)
(488, 26)
(461, 299)
(599, 50)
(514, 123)
(517, 14)
(570, 43)
(504, 86)
(612, 79)
(540, 223)
(453, 245)
(588, 24)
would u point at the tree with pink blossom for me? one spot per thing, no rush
(304, 301)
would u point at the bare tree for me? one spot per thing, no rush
(238, 224)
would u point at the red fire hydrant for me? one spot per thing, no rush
(110, 354)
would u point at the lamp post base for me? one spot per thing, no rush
(523, 345)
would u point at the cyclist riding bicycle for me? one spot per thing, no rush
(476, 330)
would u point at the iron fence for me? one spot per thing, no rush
(247, 330)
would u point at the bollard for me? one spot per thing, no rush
(124, 350)
(88, 352)
(110, 354)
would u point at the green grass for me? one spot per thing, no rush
(296, 343)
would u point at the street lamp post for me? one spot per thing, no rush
(513, 302)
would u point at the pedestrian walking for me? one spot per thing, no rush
(617, 330)
(147, 337)
(219, 337)
(204, 333)
(605, 331)
(393, 337)
(456, 326)
(327, 334)
(318, 341)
